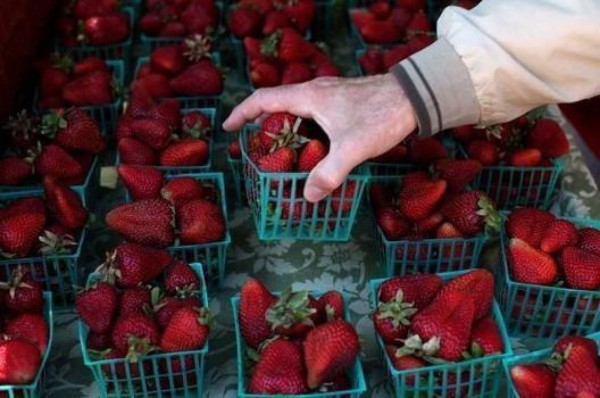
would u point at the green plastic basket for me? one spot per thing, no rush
(481, 377)
(60, 274)
(538, 356)
(35, 389)
(546, 312)
(356, 375)
(153, 375)
(402, 257)
(237, 177)
(268, 193)
(511, 186)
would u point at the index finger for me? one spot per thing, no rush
(294, 98)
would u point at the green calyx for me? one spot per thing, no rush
(290, 309)
(197, 47)
(138, 347)
(398, 311)
(428, 350)
(475, 351)
(63, 62)
(56, 244)
(288, 136)
(269, 47)
(492, 217)
(53, 122)
(21, 123)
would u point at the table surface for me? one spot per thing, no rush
(307, 265)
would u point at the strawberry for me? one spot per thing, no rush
(417, 289)
(200, 17)
(296, 72)
(533, 380)
(135, 334)
(426, 150)
(141, 182)
(528, 157)
(97, 307)
(92, 89)
(105, 29)
(88, 8)
(279, 161)
(265, 74)
(187, 330)
(181, 278)
(65, 205)
(327, 69)
(31, 328)
(486, 338)
(329, 350)
(589, 239)
(293, 314)
(244, 22)
(371, 62)
(148, 222)
(529, 224)
(172, 29)
(418, 24)
(134, 300)
(380, 32)
(470, 212)
(361, 17)
(477, 284)
(132, 151)
(579, 373)
(196, 124)
(182, 190)
(234, 151)
(255, 300)
(549, 138)
(411, 5)
(200, 221)
(466, 134)
(154, 133)
(165, 307)
(288, 46)
(563, 344)
(484, 152)
(34, 204)
(279, 370)
(581, 268)
(560, 233)
(89, 64)
(417, 201)
(97, 342)
(331, 305)
(448, 320)
(381, 195)
(448, 231)
(430, 223)
(186, 152)
(310, 155)
(252, 49)
(301, 13)
(381, 9)
(56, 162)
(392, 318)
(167, 59)
(404, 362)
(200, 78)
(19, 232)
(74, 130)
(275, 20)
(529, 265)
(19, 362)
(151, 24)
(391, 223)
(52, 81)
(394, 55)
(158, 85)
(14, 170)
(278, 123)
(458, 173)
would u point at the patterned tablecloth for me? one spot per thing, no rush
(307, 265)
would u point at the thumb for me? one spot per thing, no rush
(327, 175)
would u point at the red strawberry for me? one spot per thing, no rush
(187, 330)
(196, 124)
(391, 223)
(563, 344)
(468, 133)
(52, 81)
(579, 373)
(430, 223)
(200, 17)
(30, 328)
(525, 157)
(547, 136)
(255, 300)
(200, 221)
(528, 224)
(343, 197)
(392, 318)
(279, 370)
(404, 362)
(65, 205)
(141, 182)
(167, 111)
(529, 265)
(244, 22)
(280, 161)
(294, 314)
(486, 338)
(279, 123)
(154, 133)
(92, 89)
(331, 305)
(181, 278)
(394, 55)
(252, 49)
(327, 69)
(55, 161)
(417, 289)
(186, 152)
(412, 5)
(477, 284)
(560, 233)
(484, 152)
(165, 307)
(288, 46)
(106, 29)
(132, 151)
(426, 150)
(581, 268)
(97, 307)
(135, 334)
(97, 342)
(458, 173)
(470, 212)
(310, 155)
(182, 190)
(167, 59)
(233, 150)
(449, 319)
(14, 170)
(296, 72)
(74, 130)
(148, 222)
(381, 9)
(157, 85)
(361, 17)
(589, 239)
(19, 232)
(134, 300)
(371, 62)
(88, 8)
(533, 380)
(301, 13)
(151, 24)
(89, 64)
(172, 29)
(448, 231)
(330, 350)
(200, 78)
(417, 201)
(275, 20)
(265, 74)
(380, 32)
(418, 24)
(19, 362)
(34, 204)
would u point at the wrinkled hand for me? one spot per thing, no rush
(363, 117)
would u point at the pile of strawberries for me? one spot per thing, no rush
(23, 329)
(435, 207)
(92, 23)
(286, 57)
(185, 69)
(260, 18)
(131, 315)
(422, 321)
(299, 343)
(524, 142)
(543, 249)
(383, 24)
(64, 82)
(183, 208)
(36, 226)
(572, 370)
(375, 60)
(60, 144)
(415, 150)
(157, 133)
(179, 18)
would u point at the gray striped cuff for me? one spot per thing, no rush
(439, 87)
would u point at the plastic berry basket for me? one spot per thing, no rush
(546, 312)
(538, 356)
(356, 374)
(34, 389)
(60, 273)
(480, 377)
(268, 193)
(237, 177)
(153, 375)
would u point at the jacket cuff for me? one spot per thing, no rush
(438, 85)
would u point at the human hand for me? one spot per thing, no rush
(363, 117)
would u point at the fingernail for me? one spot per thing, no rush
(314, 194)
